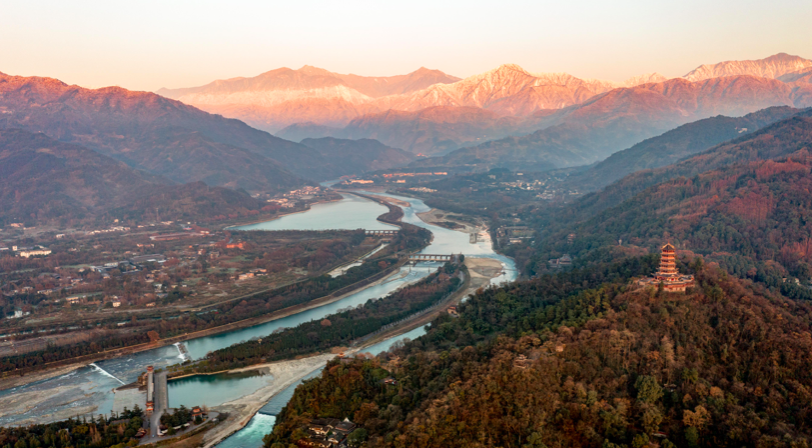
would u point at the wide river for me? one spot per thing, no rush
(88, 388)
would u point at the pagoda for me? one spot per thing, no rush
(668, 275)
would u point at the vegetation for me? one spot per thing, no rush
(115, 432)
(751, 218)
(337, 329)
(411, 237)
(181, 416)
(591, 364)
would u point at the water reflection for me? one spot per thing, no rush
(350, 213)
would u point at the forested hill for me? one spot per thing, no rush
(777, 140)
(676, 144)
(606, 366)
(44, 180)
(751, 217)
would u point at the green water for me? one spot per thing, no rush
(250, 436)
(213, 390)
(350, 213)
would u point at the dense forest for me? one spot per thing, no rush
(752, 218)
(778, 140)
(118, 431)
(585, 359)
(742, 203)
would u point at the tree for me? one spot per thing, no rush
(648, 389)
(357, 437)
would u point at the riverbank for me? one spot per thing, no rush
(441, 218)
(242, 410)
(269, 218)
(12, 381)
(480, 272)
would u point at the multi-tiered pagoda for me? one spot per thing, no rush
(668, 274)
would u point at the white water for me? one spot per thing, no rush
(104, 372)
(183, 356)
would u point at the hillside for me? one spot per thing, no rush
(583, 360)
(607, 123)
(777, 140)
(148, 131)
(357, 156)
(674, 145)
(45, 180)
(750, 216)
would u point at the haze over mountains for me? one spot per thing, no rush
(47, 180)
(506, 117)
(591, 131)
(161, 136)
(283, 96)
(310, 95)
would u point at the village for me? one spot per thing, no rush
(115, 280)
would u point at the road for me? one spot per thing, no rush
(161, 403)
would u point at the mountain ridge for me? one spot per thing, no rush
(45, 180)
(155, 133)
(593, 130)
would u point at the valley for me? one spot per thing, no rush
(317, 259)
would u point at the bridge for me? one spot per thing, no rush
(382, 232)
(431, 257)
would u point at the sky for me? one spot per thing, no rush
(146, 45)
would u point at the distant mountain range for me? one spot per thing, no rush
(430, 131)
(46, 180)
(595, 129)
(506, 117)
(433, 114)
(676, 144)
(773, 67)
(778, 140)
(357, 156)
(161, 136)
(281, 97)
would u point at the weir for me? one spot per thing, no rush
(104, 372)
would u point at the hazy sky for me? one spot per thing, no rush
(146, 45)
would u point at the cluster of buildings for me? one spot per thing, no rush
(668, 275)
(109, 230)
(177, 235)
(391, 175)
(258, 272)
(27, 252)
(558, 263)
(327, 433)
(515, 234)
(283, 202)
(301, 193)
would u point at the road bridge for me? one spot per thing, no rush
(432, 257)
(382, 232)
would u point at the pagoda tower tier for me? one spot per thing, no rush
(668, 276)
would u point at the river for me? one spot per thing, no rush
(88, 388)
